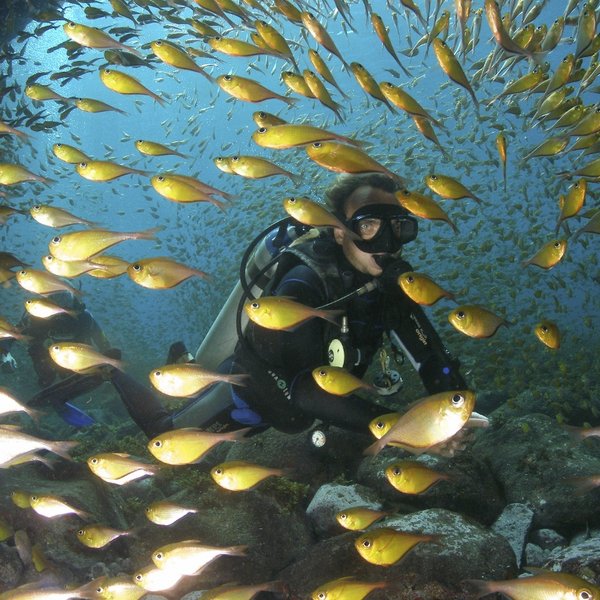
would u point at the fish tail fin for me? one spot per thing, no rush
(160, 100)
(297, 179)
(63, 448)
(132, 50)
(289, 101)
(477, 587)
(219, 204)
(374, 448)
(238, 434)
(241, 379)
(454, 227)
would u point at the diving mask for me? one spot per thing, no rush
(382, 228)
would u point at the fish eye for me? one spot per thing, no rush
(262, 114)
(56, 348)
(59, 145)
(262, 130)
(292, 200)
(458, 399)
(49, 257)
(227, 77)
(460, 314)
(139, 141)
(138, 577)
(157, 373)
(410, 279)
(137, 267)
(321, 595)
(158, 43)
(160, 178)
(584, 595)
(235, 158)
(396, 470)
(34, 498)
(405, 192)
(322, 372)
(71, 25)
(80, 532)
(343, 516)
(158, 556)
(218, 471)
(55, 240)
(218, 38)
(544, 329)
(255, 305)
(83, 165)
(366, 543)
(99, 590)
(317, 144)
(380, 425)
(148, 509)
(557, 244)
(157, 444)
(94, 461)
(37, 207)
(107, 71)
(22, 272)
(433, 177)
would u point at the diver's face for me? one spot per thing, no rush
(362, 196)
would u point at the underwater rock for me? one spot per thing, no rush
(535, 556)
(465, 550)
(535, 460)
(547, 539)
(581, 559)
(330, 499)
(11, 567)
(471, 489)
(514, 524)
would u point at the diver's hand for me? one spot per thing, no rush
(459, 441)
(8, 364)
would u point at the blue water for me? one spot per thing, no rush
(482, 264)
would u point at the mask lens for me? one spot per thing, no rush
(367, 228)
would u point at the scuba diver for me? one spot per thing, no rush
(71, 322)
(356, 273)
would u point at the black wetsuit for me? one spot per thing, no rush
(282, 390)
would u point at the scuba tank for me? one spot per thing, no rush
(257, 267)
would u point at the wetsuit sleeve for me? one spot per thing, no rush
(96, 334)
(411, 331)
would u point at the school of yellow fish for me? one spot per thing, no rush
(507, 73)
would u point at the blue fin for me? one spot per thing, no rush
(74, 416)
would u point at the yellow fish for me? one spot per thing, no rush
(592, 226)
(346, 588)
(11, 174)
(385, 546)
(161, 273)
(544, 585)
(424, 207)
(548, 255)
(119, 468)
(68, 269)
(319, 91)
(368, 84)
(547, 332)
(95, 106)
(448, 187)
(289, 136)
(175, 56)
(452, 67)
(104, 170)
(98, 536)
(122, 83)
(503, 39)
(255, 167)
(45, 309)
(279, 312)
(404, 101)
(117, 588)
(320, 34)
(10, 404)
(297, 84)
(359, 518)
(189, 556)
(275, 40)
(80, 357)
(338, 381)
(108, 267)
(50, 506)
(163, 512)
(153, 579)
(8, 211)
(14, 443)
(155, 149)
(249, 90)
(41, 93)
(323, 70)
(309, 212)
(429, 422)
(239, 475)
(420, 288)
(346, 159)
(40, 282)
(69, 154)
(81, 245)
(52, 216)
(8, 331)
(265, 119)
(20, 498)
(5, 128)
(425, 127)
(382, 34)
(91, 37)
(413, 477)
(223, 163)
(176, 189)
(204, 29)
(476, 321)
(572, 202)
(184, 380)
(189, 444)
(501, 145)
